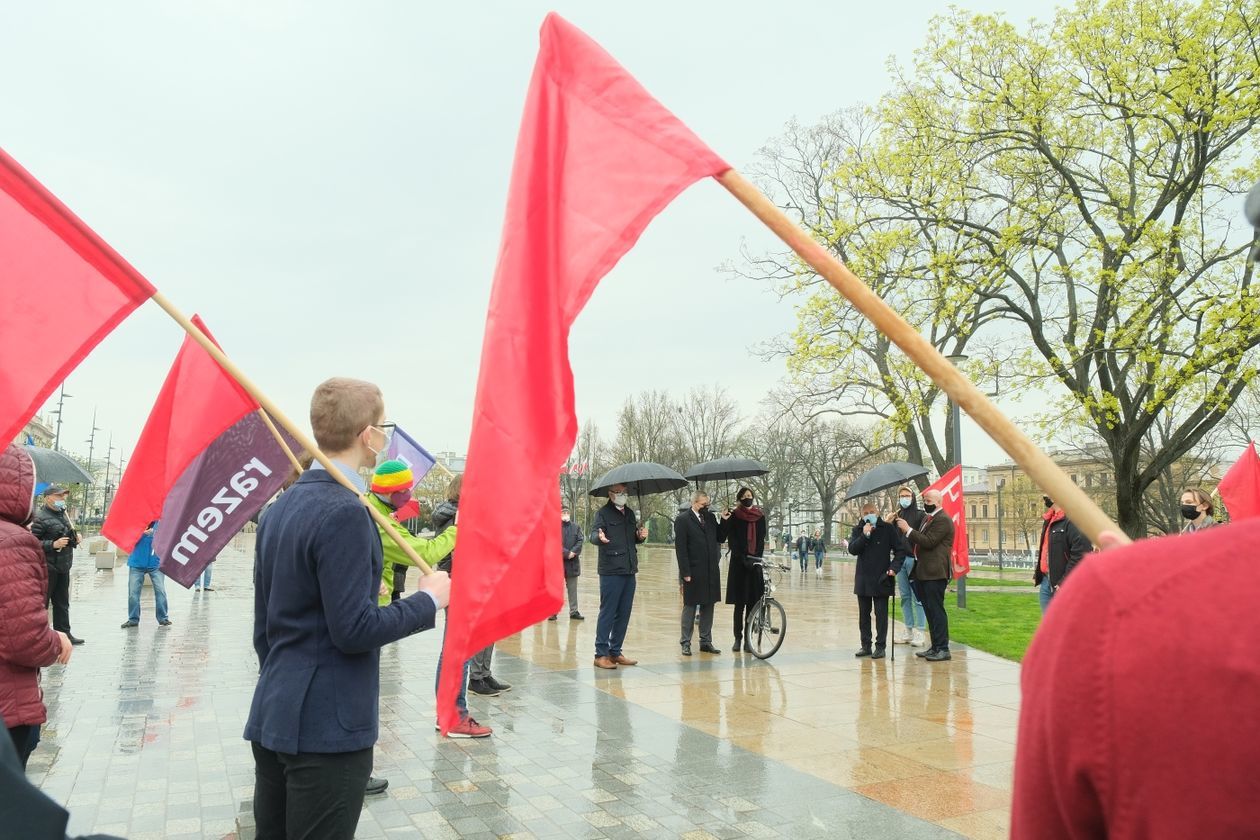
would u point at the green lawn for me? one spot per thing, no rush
(1024, 581)
(998, 622)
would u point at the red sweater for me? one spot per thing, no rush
(1141, 695)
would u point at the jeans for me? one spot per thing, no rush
(135, 580)
(461, 699)
(911, 608)
(804, 559)
(571, 586)
(315, 796)
(1045, 593)
(59, 596)
(932, 593)
(616, 599)
(880, 606)
(818, 558)
(689, 624)
(204, 580)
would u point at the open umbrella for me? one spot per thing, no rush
(52, 467)
(884, 476)
(642, 478)
(727, 468)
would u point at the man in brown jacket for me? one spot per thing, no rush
(933, 544)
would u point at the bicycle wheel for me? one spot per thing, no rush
(767, 628)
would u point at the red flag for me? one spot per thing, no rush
(1240, 488)
(197, 403)
(950, 486)
(597, 157)
(63, 291)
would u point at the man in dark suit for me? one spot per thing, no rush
(933, 545)
(697, 533)
(318, 630)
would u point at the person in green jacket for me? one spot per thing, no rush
(391, 490)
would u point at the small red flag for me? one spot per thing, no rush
(1240, 488)
(950, 486)
(198, 402)
(63, 290)
(597, 157)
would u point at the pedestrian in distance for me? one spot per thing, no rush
(617, 535)
(142, 561)
(571, 541)
(698, 535)
(745, 584)
(1062, 546)
(52, 527)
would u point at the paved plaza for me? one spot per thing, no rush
(144, 733)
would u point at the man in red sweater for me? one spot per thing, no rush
(1139, 704)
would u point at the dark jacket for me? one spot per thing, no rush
(27, 643)
(913, 514)
(696, 547)
(744, 583)
(620, 556)
(884, 549)
(443, 518)
(934, 541)
(317, 627)
(49, 526)
(1067, 548)
(802, 544)
(571, 540)
(817, 545)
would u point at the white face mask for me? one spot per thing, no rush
(620, 499)
(564, 517)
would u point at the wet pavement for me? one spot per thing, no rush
(144, 734)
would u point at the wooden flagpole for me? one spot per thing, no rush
(382, 521)
(284, 444)
(1036, 464)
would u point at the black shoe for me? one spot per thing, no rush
(554, 618)
(747, 646)
(166, 623)
(878, 653)
(211, 589)
(496, 685)
(939, 656)
(863, 652)
(925, 653)
(74, 640)
(576, 616)
(686, 650)
(127, 624)
(736, 648)
(709, 649)
(375, 786)
(483, 688)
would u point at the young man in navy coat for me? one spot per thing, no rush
(318, 630)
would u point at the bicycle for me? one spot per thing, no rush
(767, 626)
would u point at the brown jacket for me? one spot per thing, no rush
(933, 542)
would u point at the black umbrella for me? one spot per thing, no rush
(52, 467)
(642, 478)
(727, 468)
(884, 476)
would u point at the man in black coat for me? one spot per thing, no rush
(697, 534)
(932, 542)
(1062, 547)
(617, 533)
(571, 540)
(880, 550)
(53, 529)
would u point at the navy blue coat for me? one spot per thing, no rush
(317, 628)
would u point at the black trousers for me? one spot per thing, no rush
(21, 736)
(313, 796)
(880, 605)
(59, 597)
(932, 595)
(400, 581)
(743, 614)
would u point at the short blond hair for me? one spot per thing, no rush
(341, 408)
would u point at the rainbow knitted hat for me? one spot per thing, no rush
(393, 476)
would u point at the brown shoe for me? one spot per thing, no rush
(621, 660)
(605, 662)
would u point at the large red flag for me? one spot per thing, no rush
(63, 291)
(1240, 488)
(597, 157)
(950, 486)
(197, 403)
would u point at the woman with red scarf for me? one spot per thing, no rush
(746, 535)
(1062, 547)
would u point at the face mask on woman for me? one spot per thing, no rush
(746, 502)
(905, 501)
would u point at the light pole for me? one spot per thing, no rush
(87, 492)
(955, 419)
(61, 402)
(1001, 483)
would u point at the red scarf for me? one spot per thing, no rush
(751, 515)
(1051, 516)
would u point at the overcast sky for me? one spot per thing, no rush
(324, 183)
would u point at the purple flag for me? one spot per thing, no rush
(220, 491)
(404, 447)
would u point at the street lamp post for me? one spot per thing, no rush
(955, 417)
(1001, 483)
(61, 403)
